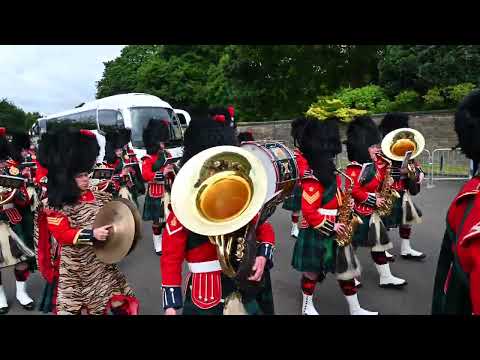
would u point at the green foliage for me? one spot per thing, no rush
(423, 67)
(458, 92)
(12, 117)
(407, 100)
(325, 108)
(366, 97)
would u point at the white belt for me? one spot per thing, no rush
(327, 212)
(7, 206)
(205, 267)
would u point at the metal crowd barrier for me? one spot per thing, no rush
(439, 164)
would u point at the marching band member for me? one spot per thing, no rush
(125, 182)
(155, 135)
(85, 283)
(207, 287)
(294, 202)
(457, 281)
(402, 184)
(245, 136)
(316, 251)
(368, 170)
(14, 250)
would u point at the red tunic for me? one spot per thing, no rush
(155, 190)
(203, 263)
(467, 247)
(364, 194)
(318, 213)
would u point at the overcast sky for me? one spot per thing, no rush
(52, 78)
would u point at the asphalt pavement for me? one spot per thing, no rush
(142, 268)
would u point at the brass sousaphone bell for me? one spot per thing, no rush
(217, 193)
(123, 235)
(396, 144)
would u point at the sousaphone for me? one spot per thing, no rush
(398, 143)
(217, 193)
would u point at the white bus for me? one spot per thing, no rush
(132, 111)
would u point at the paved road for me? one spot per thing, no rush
(143, 269)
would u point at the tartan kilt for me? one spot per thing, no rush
(395, 218)
(228, 287)
(153, 209)
(265, 298)
(294, 202)
(361, 238)
(314, 252)
(27, 232)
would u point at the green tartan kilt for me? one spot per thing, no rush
(153, 209)
(314, 252)
(395, 218)
(294, 202)
(265, 298)
(360, 238)
(228, 287)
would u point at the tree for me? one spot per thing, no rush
(12, 117)
(422, 67)
(120, 74)
(283, 80)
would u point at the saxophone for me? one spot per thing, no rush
(346, 215)
(386, 191)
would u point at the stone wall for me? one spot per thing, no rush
(437, 127)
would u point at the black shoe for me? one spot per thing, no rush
(159, 253)
(4, 310)
(391, 258)
(415, 258)
(392, 286)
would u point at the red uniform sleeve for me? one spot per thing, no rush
(474, 250)
(147, 172)
(265, 233)
(311, 201)
(59, 227)
(174, 244)
(40, 173)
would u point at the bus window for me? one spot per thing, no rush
(140, 117)
(182, 119)
(83, 120)
(110, 119)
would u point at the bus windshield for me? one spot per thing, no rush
(140, 117)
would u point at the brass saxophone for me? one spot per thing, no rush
(386, 191)
(346, 215)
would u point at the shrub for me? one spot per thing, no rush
(407, 100)
(435, 99)
(458, 92)
(365, 98)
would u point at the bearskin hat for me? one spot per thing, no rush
(204, 133)
(155, 132)
(115, 139)
(393, 121)
(245, 136)
(221, 114)
(467, 125)
(361, 134)
(20, 141)
(4, 146)
(66, 153)
(297, 127)
(319, 144)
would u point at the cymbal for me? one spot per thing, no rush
(138, 222)
(121, 235)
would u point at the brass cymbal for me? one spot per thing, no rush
(121, 235)
(138, 222)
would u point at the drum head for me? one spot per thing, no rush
(268, 163)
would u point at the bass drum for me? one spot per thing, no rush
(279, 163)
